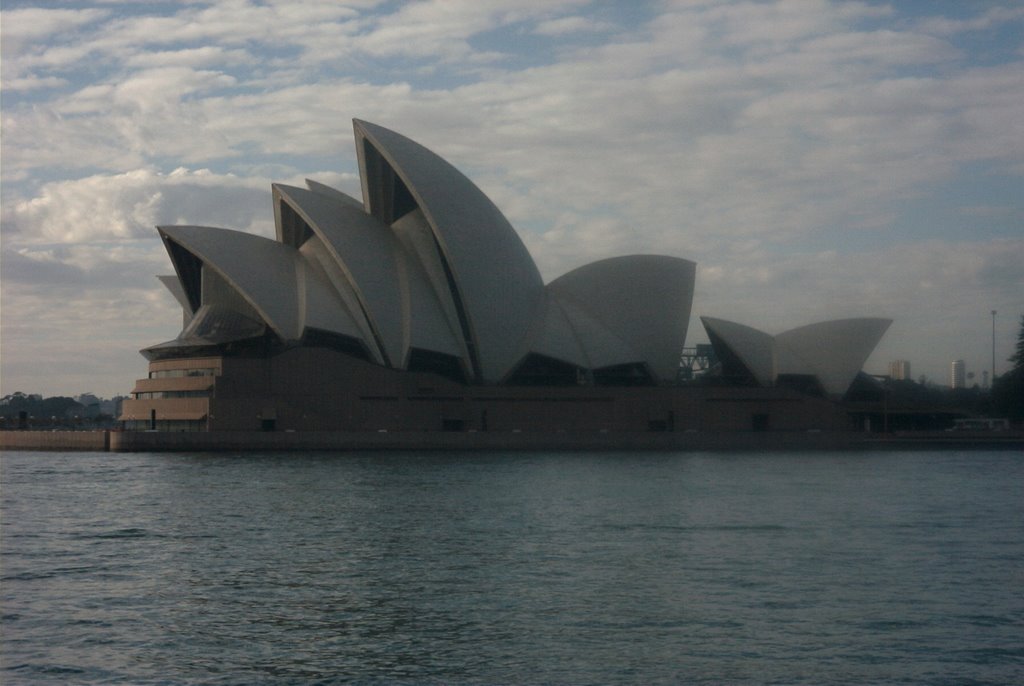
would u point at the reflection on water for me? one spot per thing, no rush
(524, 568)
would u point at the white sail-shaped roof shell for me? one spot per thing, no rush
(327, 304)
(644, 300)
(426, 263)
(753, 348)
(365, 250)
(333, 193)
(262, 271)
(434, 321)
(833, 351)
(482, 252)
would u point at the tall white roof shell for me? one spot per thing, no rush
(480, 248)
(426, 263)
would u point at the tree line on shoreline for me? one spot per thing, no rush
(31, 411)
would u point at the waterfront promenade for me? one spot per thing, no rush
(241, 441)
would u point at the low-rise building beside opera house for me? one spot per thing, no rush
(419, 309)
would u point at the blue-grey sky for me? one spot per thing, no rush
(817, 159)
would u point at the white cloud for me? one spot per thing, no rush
(129, 205)
(32, 24)
(991, 18)
(205, 56)
(567, 25)
(31, 83)
(757, 138)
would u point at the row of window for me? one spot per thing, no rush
(149, 395)
(175, 373)
(165, 425)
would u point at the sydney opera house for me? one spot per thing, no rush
(418, 308)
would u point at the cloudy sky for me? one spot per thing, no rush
(817, 159)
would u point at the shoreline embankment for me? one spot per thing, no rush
(246, 441)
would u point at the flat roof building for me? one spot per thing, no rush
(899, 370)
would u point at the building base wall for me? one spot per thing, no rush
(336, 441)
(246, 441)
(314, 389)
(55, 440)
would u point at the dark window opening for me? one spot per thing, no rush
(294, 228)
(402, 202)
(190, 273)
(541, 370)
(759, 422)
(631, 374)
(803, 383)
(453, 425)
(349, 345)
(731, 368)
(268, 424)
(262, 346)
(460, 310)
(390, 199)
(432, 362)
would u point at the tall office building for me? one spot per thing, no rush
(899, 370)
(958, 374)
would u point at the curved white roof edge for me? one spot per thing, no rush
(834, 351)
(261, 270)
(754, 348)
(418, 242)
(482, 251)
(599, 346)
(317, 256)
(173, 284)
(333, 193)
(427, 324)
(554, 336)
(643, 299)
(324, 307)
(365, 249)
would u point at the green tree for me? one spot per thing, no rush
(1008, 389)
(1018, 357)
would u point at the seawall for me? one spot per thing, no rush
(55, 440)
(245, 441)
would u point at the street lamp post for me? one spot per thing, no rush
(993, 377)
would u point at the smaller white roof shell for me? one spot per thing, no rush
(754, 348)
(172, 284)
(644, 300)
(263, 271)
(833, 351)
(333, 193)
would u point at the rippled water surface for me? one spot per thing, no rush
(512, 568)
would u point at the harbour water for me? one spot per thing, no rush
(467, 568)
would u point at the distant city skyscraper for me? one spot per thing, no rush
(900, 370)
(958, 374)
